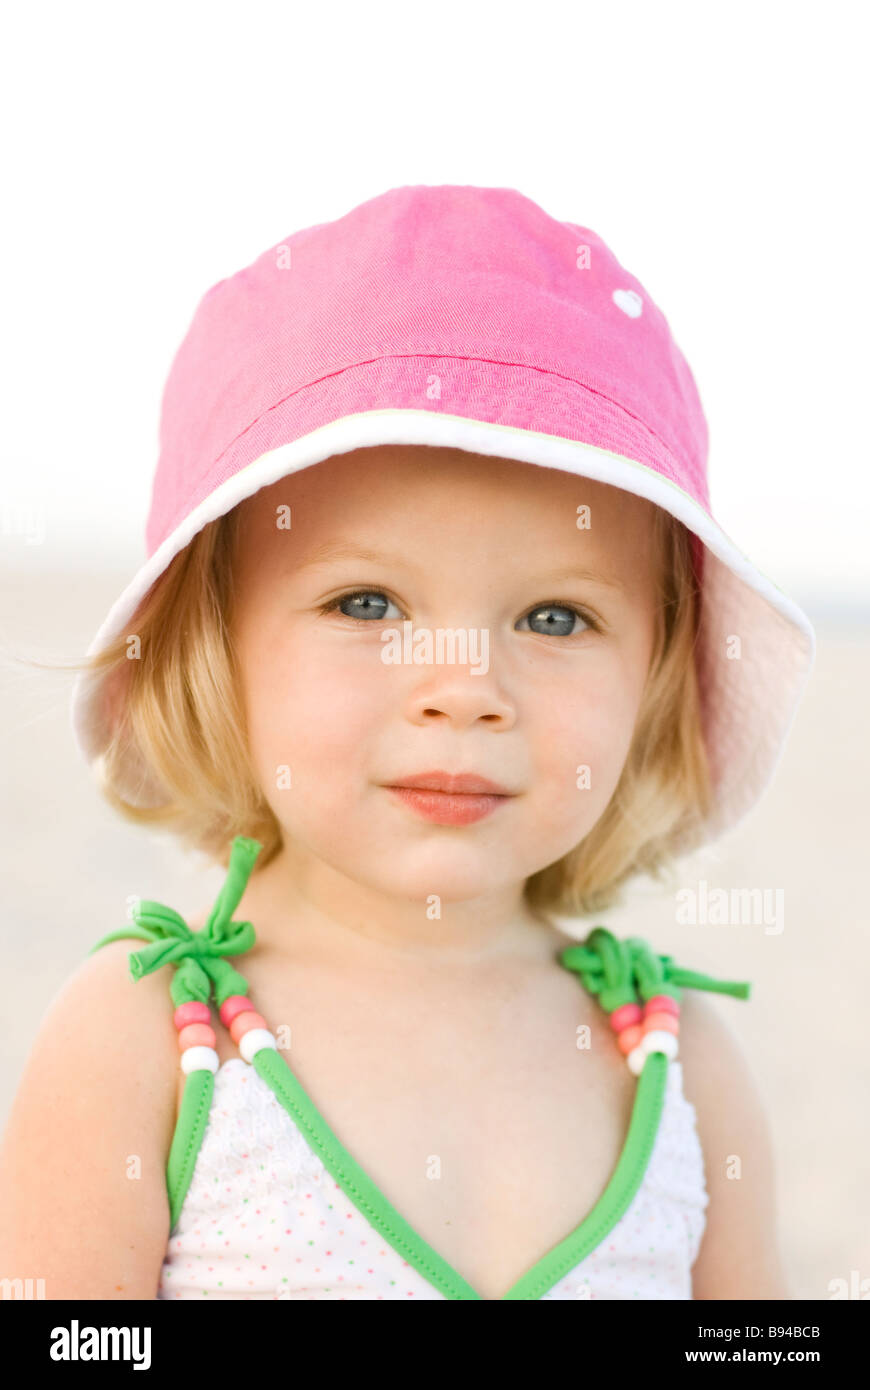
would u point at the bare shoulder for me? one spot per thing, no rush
(739, 1256)
(83, 1200)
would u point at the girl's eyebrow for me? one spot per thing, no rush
(343, 550)
(612, 581)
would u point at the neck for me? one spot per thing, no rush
(295, 902)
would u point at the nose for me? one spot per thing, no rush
(453, 693)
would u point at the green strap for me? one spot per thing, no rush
(629, 972)
(197, 956)
(187, 1140)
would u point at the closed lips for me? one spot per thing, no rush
(456, 784)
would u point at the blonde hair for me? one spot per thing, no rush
(180, 717)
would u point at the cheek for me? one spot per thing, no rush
(586, 724)
(305, 714)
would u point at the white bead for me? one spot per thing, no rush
(636, 1059)
(199, 1059)
(254, 1040)
(660, 1040)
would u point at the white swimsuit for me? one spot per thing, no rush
(264, 1218)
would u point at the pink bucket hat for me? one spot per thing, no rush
(464, 317)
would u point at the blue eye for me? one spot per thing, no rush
(556, 619)
(364, 604)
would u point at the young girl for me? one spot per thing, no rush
(437, 642)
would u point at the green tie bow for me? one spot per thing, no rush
(197, 955)
(629, 971)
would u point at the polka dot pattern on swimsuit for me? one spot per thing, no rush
(264, 1219)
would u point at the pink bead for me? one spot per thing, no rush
(629, 1038)
(236, 1004)
(625, 1016)
(196, 1035)
(194, 1012)
(663, 1022)
(662, 1003)
(243, 1023)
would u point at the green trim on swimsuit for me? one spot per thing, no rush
(370, 1201)
(616, 971)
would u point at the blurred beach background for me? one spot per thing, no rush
(129, 208)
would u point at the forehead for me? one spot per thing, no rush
(443, 474)
(431, 500)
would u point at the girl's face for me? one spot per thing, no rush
(560, 624)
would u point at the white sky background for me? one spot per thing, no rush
(149, 151)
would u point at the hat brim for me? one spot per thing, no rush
(748, 703)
